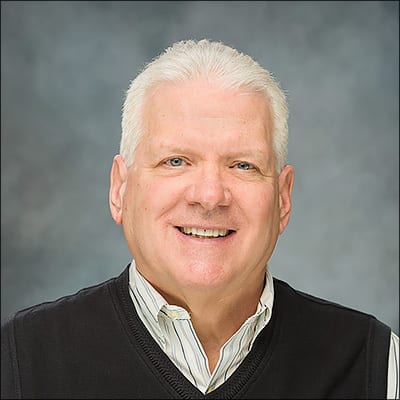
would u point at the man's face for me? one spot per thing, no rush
(202, 205)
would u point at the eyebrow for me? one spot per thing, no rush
(248, 153)
(245, 153)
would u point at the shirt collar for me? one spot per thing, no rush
(149, 299)
(267, 296)
(153, 303)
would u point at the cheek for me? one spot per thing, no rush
(135, 203)
(264, 212)
(150, 200)
(267, 226)
(264, 204)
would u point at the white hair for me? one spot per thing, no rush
(188, 60)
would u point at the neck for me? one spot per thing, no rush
(216, 317)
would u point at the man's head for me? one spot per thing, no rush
(189, 60)
(205, 197)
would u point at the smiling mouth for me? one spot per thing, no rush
(205, 233)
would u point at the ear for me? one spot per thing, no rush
(118, 178)
(285, 182)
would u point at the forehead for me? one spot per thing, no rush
(209, 97)
(199, 108)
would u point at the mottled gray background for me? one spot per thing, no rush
(64, 69)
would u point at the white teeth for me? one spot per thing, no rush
(205, 233)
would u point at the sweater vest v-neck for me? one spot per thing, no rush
(93, 345)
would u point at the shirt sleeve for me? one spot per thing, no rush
(393, 368)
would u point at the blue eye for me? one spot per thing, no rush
(175, 162)
(244, 165)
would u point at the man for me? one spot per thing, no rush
(202, 191)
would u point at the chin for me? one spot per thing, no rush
(203, 275)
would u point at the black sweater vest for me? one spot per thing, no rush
(93, 345)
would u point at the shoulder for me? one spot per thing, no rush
(324, 314)
(68, 313)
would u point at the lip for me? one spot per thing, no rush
(206, 227)
(182, 235)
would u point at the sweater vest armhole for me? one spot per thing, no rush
(378, 354)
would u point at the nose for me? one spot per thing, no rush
(209, 189)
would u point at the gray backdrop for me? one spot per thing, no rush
(64, 69)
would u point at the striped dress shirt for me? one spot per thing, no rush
(172, 329)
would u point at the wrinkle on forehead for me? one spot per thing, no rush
(200, 108)
(213, 86)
